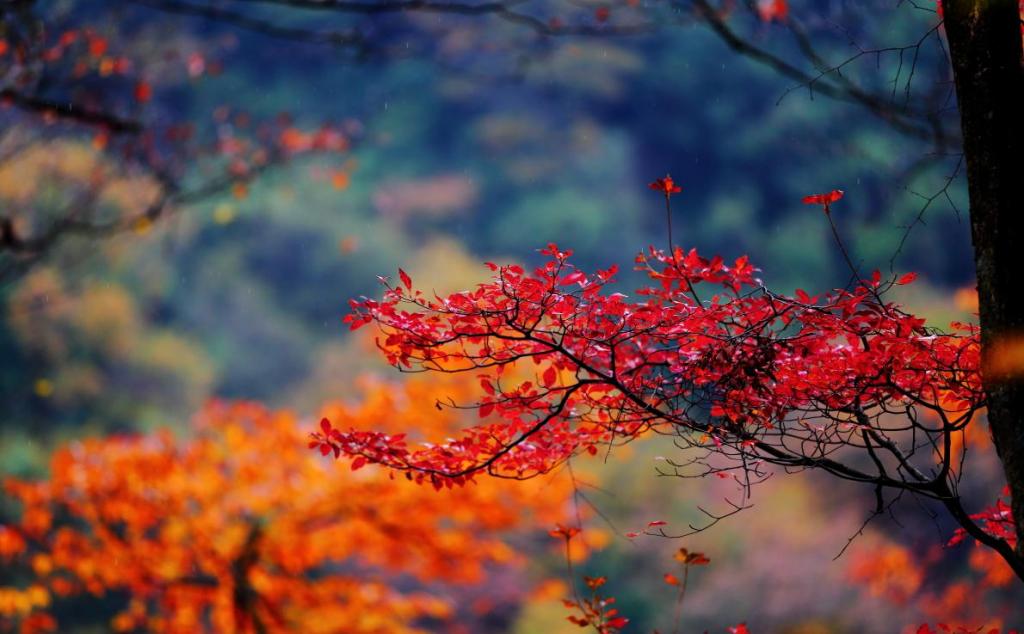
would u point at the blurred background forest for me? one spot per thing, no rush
(453, 140)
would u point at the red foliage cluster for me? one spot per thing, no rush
(101, 87)
(997, 520)
(666, 186)
(825, 200)
(596, 611)
(707, 353)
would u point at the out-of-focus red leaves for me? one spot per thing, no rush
(564, 532)
(665, 185)
(772, 10)
(143, 92)
(97, 46)
(688, 558)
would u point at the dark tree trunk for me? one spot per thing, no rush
(985, 47)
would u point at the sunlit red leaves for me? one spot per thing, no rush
(549, 377)
(560, 360)
(996, 520)
(406, 280)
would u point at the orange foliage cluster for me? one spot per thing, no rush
(898, 575)
(240, 528)
(890, 571)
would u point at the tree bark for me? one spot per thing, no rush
(985, 47)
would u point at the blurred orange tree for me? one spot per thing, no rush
(241, 528)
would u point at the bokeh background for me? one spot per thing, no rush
(473, 139)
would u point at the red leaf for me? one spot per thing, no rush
(406, 280)
(656, 523)
(358, 463)
(325, 425)
(671, 579)
(907, 279)
(823, 199)
(576, 277)
(550, 376)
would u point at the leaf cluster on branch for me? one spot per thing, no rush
(741, 377)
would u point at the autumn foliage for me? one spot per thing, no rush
(708, 353)
(95, 88)
(240, 529)
(741, 377)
